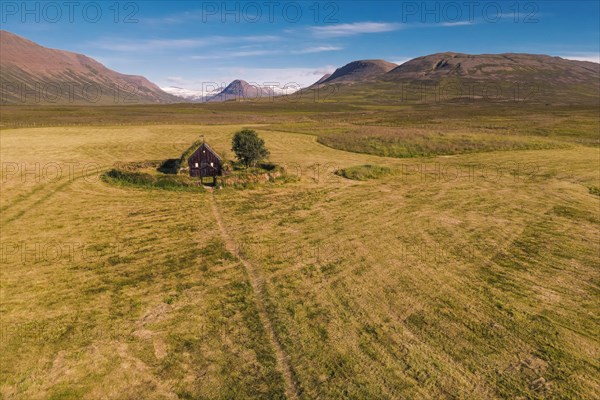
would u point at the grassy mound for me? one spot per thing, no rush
(364, 172)
(248, 178)
(183, 160)
(150, 181)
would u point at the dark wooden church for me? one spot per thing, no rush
(205, 162)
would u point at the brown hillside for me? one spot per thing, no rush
(28, 67)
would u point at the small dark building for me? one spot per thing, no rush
(205, 162)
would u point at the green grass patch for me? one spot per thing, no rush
(149, 181)
(399, 143)
(189, 151)
(249, 178)
(595, 190)
(365, 172)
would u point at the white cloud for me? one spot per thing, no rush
(329, 69)
(293, 78)
(282, 76)
(127, 45)
(457, 23)
(224, 55)
(400, 61)
(147, 45)
(355, 28)
(317, 49)
(175, 79)
(358, 28)
(582, 56)
(179, 18)
(234, 54)
(232, 13)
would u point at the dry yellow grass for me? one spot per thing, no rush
(415, 285)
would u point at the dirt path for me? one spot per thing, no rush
(283, 362)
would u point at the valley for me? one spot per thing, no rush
(427, 228)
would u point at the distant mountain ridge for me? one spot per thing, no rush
(323, 79)
(494, 66)
(32, 74)
(358, 71)
(238, 90)
(242, 90)
(459, 76)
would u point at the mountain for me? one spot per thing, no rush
(241, 90)
(237, 90)
(496, 67)
(465, 77)
(323, 79)
(495, 77)
(33, 74)
(358, 71)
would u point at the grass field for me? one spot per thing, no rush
(471, 273)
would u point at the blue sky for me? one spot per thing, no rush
(191, 43)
